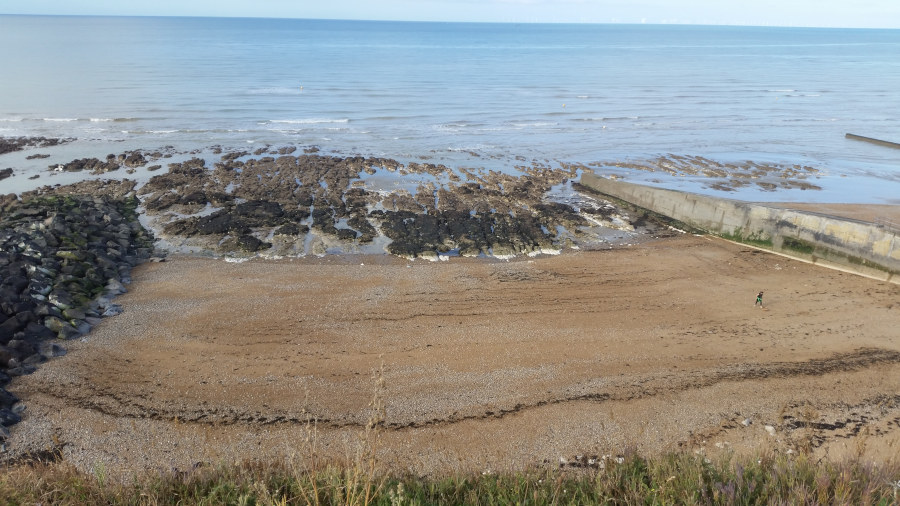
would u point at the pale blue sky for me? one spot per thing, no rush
(831, 13)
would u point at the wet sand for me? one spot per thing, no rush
(487, 365)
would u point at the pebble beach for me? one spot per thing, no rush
(235, 240)
(486, 365)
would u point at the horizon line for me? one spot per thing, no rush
(611, 22)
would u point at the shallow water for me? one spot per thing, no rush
(482, 95)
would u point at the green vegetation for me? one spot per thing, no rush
(670, 479)
(798, 245)
(807, 248)
(752, 239)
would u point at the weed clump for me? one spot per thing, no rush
(676, 478)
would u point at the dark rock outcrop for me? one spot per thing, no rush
(10, 144)
(94, 165)
(488, 213)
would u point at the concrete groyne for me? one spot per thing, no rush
(870, 140)
(863, 248)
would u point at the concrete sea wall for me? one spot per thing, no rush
(850, 245)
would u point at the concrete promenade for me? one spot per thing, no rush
(860, 247)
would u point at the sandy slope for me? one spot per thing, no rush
(487, 364)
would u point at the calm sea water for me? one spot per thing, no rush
(480, 94)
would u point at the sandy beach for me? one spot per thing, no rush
(487, 365)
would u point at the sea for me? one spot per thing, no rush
(494, 96)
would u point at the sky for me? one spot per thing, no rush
(822, 13)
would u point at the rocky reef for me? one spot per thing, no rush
(11, 144)
(726, 176)
(64, 254)
(276, 204)
(129, 159)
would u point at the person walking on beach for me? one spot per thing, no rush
(758, 300)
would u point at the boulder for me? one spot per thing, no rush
(7, 354)
(8, 330)
(25, 317)
(73, 313)
(7, 399)
(34, 359)
(21, 370)
(61, 299)
(16, 283)
(112, 310)
(51, 349)
(36, 332)
(115, 287)
(55, 324)
(7, 417)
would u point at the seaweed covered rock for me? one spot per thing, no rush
(277, 200)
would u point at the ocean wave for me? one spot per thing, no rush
(452, 127)
(809, 120)
(466, 149)
(532, 124)
(71, 120)
(390, 118)
(276, 90)
(307, 121)
(305, 131)
(608, 118)
(111, 120)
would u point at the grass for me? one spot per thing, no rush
(676, 478)
(361, 479)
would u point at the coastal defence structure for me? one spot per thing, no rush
(868, 249)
